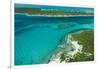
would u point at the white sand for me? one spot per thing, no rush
(71, 45)
(53, 15)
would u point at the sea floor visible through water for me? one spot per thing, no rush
(37, 38)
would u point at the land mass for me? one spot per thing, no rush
(76, 47)
(37, 11)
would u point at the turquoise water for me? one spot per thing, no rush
(57, 8)
(37, 37)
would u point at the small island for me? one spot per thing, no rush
(40, 12)
(77, 47)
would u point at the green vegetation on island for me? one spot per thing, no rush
(36, 11)
(79, 46)
(86, 39)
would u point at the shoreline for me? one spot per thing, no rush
(54, 15)
(56, 56)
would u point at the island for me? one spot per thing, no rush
(78, 46)
(40, 12)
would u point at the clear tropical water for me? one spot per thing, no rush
(36, 37)
(57, 8)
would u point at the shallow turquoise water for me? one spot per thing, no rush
(37, 37)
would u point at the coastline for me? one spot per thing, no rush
(50, 35)
(54, 15)
(60, 50)
(71, 49)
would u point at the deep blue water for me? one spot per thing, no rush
(37, 37)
